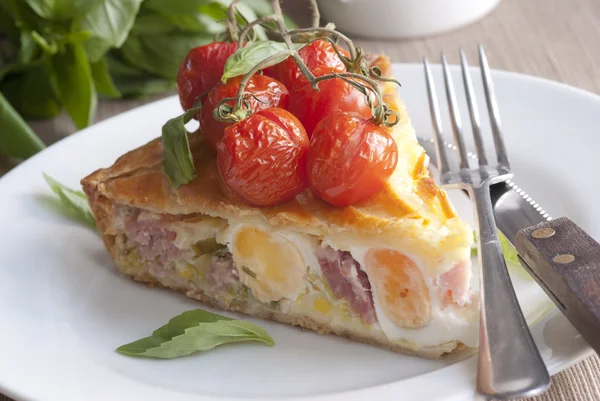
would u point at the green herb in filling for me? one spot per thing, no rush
(205, 246)
(249, 272)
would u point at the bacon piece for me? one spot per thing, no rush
(348, 281)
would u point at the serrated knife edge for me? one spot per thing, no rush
(514, 209)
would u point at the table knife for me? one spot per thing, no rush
(562, 258)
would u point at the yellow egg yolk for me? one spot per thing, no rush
(400, 287)
(270, 266)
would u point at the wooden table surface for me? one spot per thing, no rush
(554, 39)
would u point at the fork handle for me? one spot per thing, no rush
(510, 364)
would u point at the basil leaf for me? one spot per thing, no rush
(28, 47)
(109, 22)
(195, 331)
(512, 258)
(148, 85)
(180, 323)
(135, 82)
(31, 90)
(178, 162)
(249, 14)
(102, 79)
(244, 59)
(510, 253)
(200, 15)
(74, 202)
(10, 7)
(196, 22)
(118, 67)
(48, 47)
(205, 337)
(60, 9)
(251, 9)
(43, 8)
(9, 24)
(173, 7)
(24, 16)
(151, 24)
(175, 327)
(17, 139)
(76, 90)
(205, 17)
(215, 10)
(218, 11)
(260, 7)
(76, 37)
(161, 54)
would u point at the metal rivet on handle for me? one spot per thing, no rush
(545, 232)
(564, 258)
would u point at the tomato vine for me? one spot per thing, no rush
(359, 76)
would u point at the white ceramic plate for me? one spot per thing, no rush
(64, 309)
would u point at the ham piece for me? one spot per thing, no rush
(348, 281)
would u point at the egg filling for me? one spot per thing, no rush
(362, 286)
(268, 264)
(400, 286)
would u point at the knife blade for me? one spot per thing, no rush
(562, 258)
(513, 208)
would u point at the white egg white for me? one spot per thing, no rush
(296, 244)
(448, 324)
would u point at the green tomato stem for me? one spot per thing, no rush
(237, 113)
(316, 15)
(373, 86)
(250, 25)
(381, 112)
(286, 38)
(232, 29)
(329, 31)
(269, 60)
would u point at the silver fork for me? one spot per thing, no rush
(509, 363)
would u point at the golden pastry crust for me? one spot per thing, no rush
(137, 179)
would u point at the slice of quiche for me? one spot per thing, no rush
(393, 271)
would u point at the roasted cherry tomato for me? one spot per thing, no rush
(315, 55)
(350, 159)
(262, 159)
(266, 92)
(201, 70)
(334, 96)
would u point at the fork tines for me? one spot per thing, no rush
(455, 116)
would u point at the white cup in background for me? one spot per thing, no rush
(402, 18)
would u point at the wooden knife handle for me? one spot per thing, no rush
(565, 261)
